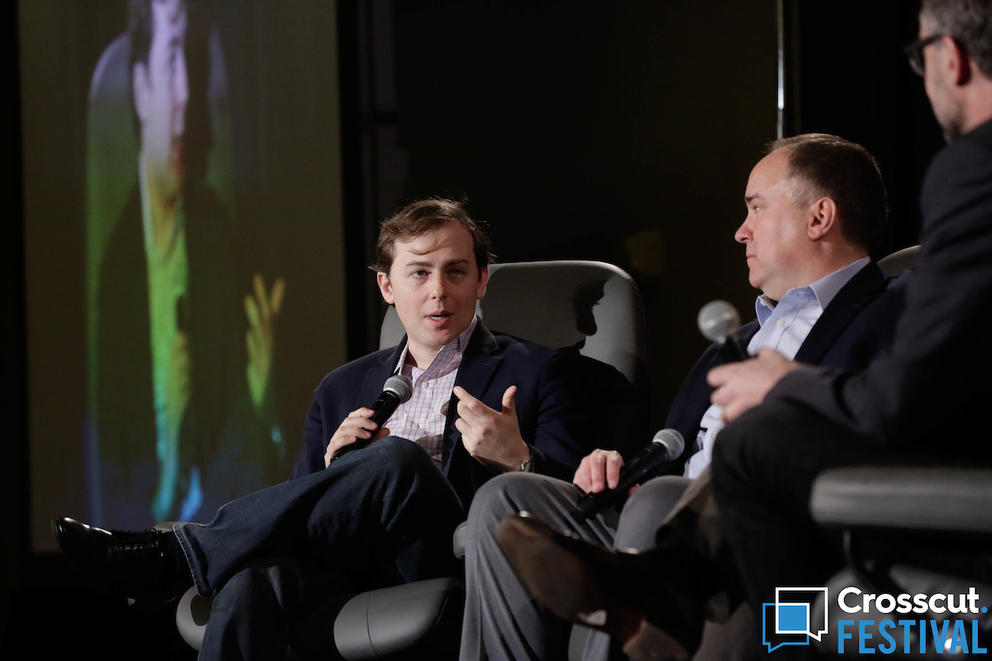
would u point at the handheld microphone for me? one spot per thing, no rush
(666, 445)
(395, 391)
(718, 321)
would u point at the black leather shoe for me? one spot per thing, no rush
(141, 565)
(623, 594)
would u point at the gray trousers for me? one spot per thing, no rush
(501, 621)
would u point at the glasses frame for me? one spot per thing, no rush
(914, 52)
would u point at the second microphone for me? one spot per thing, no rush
(666, 445)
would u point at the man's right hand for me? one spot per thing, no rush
(357, 426)
(599, 470)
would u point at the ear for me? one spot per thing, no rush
(480, 290)
(822, 218)
(958, 62)
(385, 287)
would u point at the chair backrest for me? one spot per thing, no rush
(899, 261)
(559, 304)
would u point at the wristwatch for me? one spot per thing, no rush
(526, 464)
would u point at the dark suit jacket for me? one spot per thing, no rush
(934, 388)
(220, 432)
(561, 417)
(857, 325)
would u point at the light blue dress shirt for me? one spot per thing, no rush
(784, 327)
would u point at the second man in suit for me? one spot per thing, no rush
(277, 560)
(815, 206)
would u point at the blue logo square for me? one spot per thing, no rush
(793, 618)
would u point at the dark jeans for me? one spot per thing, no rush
(279, 558)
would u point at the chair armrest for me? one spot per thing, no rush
(192, 613)
(910, 498)
(458, 540)
(380, 622)
(389, 619)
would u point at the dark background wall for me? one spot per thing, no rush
(622, 132)
(616, 131)
(848, 75)
(626, 131)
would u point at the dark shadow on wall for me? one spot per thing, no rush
(613, 131)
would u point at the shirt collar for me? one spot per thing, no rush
(823, 290)
(456, 346)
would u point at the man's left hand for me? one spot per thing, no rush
(739, 386)
(492, 437)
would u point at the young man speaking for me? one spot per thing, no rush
(279, 559)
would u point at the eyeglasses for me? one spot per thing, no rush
(914, 52)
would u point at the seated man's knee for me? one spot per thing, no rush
(394, 453)
(656, 497)
(646, 509)
(497, 499)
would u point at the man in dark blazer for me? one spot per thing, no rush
(277, 560)
(815, 204)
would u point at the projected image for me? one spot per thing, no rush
(180, 386)
(200, 172)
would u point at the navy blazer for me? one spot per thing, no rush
(856, 326)
(921, 394)
(567, 405)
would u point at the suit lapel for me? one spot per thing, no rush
(479, 364)
(376, 375)
(849, 301)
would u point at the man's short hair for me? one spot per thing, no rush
(828, 166)
(969, 22)
(424, 216)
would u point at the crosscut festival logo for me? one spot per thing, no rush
(870, 623)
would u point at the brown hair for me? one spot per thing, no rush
(423, 216)
(845, 172)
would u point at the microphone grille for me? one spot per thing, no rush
(717, 320)
(672, 441)
(400, 386)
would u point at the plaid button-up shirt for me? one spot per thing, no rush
(421, 418)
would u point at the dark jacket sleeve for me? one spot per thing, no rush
(311, 457)
(919, 389)
(334, 398)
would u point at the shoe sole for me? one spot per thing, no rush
(558, 578)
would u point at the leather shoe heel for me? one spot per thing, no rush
(606, 590)
(566, 575)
